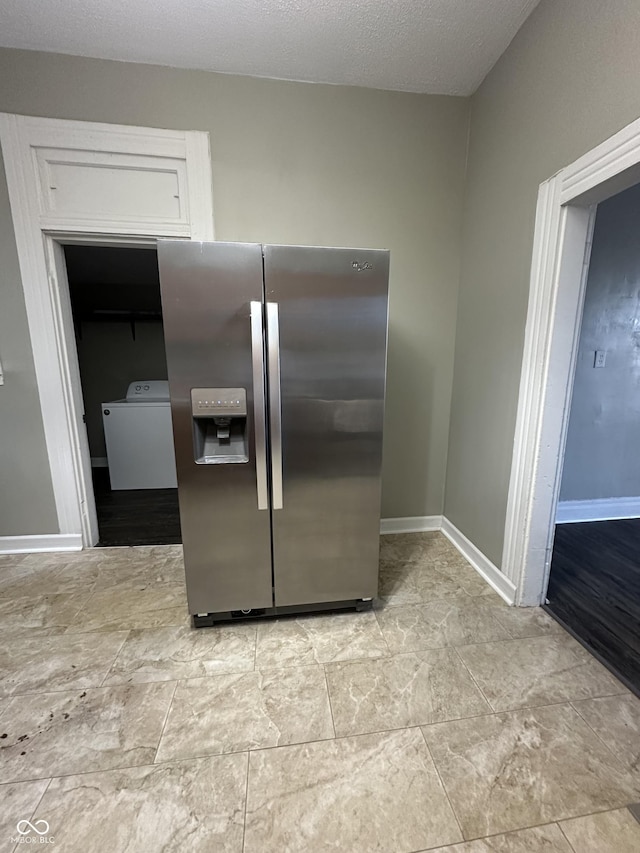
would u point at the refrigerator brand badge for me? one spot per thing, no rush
(361, 267)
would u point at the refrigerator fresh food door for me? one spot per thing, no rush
(212, 302)
(326, 340)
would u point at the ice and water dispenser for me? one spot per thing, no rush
(219, 425)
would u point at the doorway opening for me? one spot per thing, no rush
(565, 217)
(115, 304)
(594, 581)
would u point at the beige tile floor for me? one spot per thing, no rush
(443, 720)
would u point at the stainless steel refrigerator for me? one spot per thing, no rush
(276, 359)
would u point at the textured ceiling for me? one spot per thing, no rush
(435, 46)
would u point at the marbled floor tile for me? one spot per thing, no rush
(19, 614)
(75, 568)
(616, 720)
(459, 570)
(537, 671)
(11, 573)
(157, 565)
(411, 547)
(126, 607)
(319, 639)
(521, 622)
(368, 794)
(446, 622)
(53, 734)
(410, 583)
(512, 770)
(404, 690)
(61, 662)
(165, 654)
(168, 808)
(144, 553)
(51, 559)
(19, 800)
(61, 558)
(11, 559)
(608, 832)
(50, 580)
(232, 713)
(538, 839)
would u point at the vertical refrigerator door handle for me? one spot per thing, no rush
(259, 407)
(275, 404)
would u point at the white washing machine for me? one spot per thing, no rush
(139, 438)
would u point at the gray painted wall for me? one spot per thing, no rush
(569, 80)
(602, 456)
(292, 163)
(25, 484)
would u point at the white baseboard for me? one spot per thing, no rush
(492, 574)
(37, 543)
(413, 524)
(602, 509)
(425, 523)
(99, 462)
(416, 524)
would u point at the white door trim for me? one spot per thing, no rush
(37, 227)
(562, 245)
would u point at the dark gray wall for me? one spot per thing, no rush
(602, 456)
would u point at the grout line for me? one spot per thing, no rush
(40, 798)
(205, 756)
(109, 629)
(287, 666)
(507, 832)
(113, 662)
(326, 680)
(512, 636)
(124, 767)
(591, 728)
(169, 706)
(561, 820)
(382, 634)
(564, 835)
(246, 800)
(482, 693)
(444, 788)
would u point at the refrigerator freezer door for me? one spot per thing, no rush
(332, 320)
(212, 343)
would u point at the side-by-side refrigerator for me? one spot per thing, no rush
(276, 359)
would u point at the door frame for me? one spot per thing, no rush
(38, 239)
(563, 233)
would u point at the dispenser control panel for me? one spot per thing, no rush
(218, 402)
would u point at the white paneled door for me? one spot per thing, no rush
(94, 183)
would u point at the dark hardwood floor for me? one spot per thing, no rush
(594, 590)
(135, 517)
